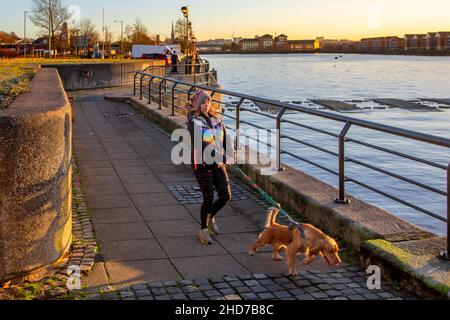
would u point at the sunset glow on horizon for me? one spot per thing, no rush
(299, 19)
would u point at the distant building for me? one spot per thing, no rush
(394, 43)
(443, 40)
(366, 44)
(409, 42)
(414, 41)
(348, 45)
(237, 40)
(266, 42)
(303, 45)
(280, 43)
(421, 41)
(249, 44)
(65, 37)
(214, 42)
(328, 44)
(430, 41)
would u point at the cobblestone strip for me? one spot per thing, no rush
(84, 246)
(345, 283)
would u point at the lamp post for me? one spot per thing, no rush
(185, 11)
(103, 34)
(50, 22)
(25, 33)
(121, 35)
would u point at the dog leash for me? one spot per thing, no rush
(292, 223)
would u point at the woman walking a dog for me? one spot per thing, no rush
(208, 159)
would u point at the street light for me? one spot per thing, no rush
(50, 26)
(121, 35)
(185, 11)
(25, 33)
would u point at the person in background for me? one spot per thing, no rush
(174, 63)
(188, 64)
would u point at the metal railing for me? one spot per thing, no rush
(161, 86)
(182, 68)
(204, 77)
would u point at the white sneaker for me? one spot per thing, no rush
(212, 226)
(203, 236)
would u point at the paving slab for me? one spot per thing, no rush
(109, 202)
(208, 266)
(236, 224)
(129, 272)
(174, 228)
(122, 231)
(126, 171)
(183, 247)
(165, 213)
(148, 187)
(154, 200)
(104, 190)
(130, 250)
(139, 178)
(240, 242)
(116, 215)
(97, 278)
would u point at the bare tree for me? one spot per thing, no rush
(87, 29)
(138, 33)
(181, 32)
(49, 16)
(108, 38)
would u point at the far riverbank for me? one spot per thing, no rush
(390, 53)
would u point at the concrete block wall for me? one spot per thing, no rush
(35, 178)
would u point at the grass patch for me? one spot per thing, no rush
(11, 89)
(14, 80)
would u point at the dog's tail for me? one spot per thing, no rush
(271, 216)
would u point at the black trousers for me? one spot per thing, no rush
(208, 178)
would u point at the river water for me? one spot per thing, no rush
(298, 77)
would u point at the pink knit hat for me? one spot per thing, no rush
(198, 98)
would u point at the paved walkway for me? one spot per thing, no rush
(146, 213)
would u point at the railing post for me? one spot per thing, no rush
(238, 122)
(134, 84)
(448, 211)
(278, 147)
(140, 89)
(160, 92)
(150, 90)
(342, 199)
(446, 254)
(173, 98)
(189, 93)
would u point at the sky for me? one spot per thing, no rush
(299, 19)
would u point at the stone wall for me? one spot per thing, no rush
(35, 178)
(99, 75)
